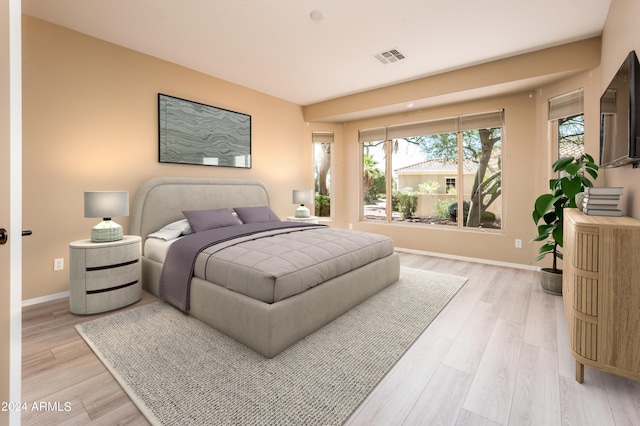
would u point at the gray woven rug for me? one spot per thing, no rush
(179, 371)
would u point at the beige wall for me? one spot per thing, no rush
(621, 34)
(90, 123)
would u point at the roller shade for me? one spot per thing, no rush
(322, 137)
(566, 105)
(432, 127)
(485, 120)
(372, 135)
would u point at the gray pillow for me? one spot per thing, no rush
(261, 214)
(201, 220)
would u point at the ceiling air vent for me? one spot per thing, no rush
(389, 56)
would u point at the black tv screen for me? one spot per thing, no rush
(619, 121)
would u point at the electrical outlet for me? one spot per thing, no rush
(58, 264)
(518, 243)
(351, 226)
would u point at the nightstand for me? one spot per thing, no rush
(310, 219)
(104, 276)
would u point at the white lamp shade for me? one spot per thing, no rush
(106, 204)
(302, 196)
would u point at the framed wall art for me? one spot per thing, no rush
(194, 133)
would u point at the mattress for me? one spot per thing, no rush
(276, 265)
(156, 248)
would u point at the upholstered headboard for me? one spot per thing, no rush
(161, 200)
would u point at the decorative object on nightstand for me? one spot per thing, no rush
(104, 276)
(302, 197)
(106, 204)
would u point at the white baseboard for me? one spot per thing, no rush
(469, 259)
(44, 299)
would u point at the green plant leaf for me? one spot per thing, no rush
(557, 236)
(544, 203)
(573, 168)
(592, 172)
(561, 163)
(571, 187)
(546, 248)
(540, 257)
(546, 229)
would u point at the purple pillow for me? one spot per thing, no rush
(261, 214)
(201, 220)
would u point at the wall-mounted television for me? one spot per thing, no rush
(619, 120)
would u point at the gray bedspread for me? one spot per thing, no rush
(177, 271)
(268, 263)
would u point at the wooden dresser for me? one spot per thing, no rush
(601, 292)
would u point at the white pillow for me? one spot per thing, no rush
(182, 225)
(166, 234)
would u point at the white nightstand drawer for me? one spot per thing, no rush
(104, 278)
(98, 256)
(110, 300)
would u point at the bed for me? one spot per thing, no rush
(270, 325)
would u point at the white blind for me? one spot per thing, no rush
(372, 135)
(432, 127)
(322, 137)
(566, 105)
(485, 120)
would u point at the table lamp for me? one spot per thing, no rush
(106, 204)
(302, 197)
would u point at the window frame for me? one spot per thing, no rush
(476, 121)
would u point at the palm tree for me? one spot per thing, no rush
(370, 172)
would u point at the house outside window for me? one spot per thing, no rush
(419, 173)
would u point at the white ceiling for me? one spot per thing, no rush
(274, 46)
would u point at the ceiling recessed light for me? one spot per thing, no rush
(317, 15)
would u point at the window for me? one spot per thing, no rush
(450, 185)
(419, 173)
(322, 160)
(566, 120)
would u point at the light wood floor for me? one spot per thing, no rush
(498, 354)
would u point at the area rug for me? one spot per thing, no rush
(179, 371)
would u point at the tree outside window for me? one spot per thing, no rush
(322, 159)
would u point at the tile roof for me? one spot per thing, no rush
(438, 166)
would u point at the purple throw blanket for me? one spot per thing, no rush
(177, 271)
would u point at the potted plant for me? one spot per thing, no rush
(574, 175)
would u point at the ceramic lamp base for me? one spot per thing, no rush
(302, 212)
(106, 231)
